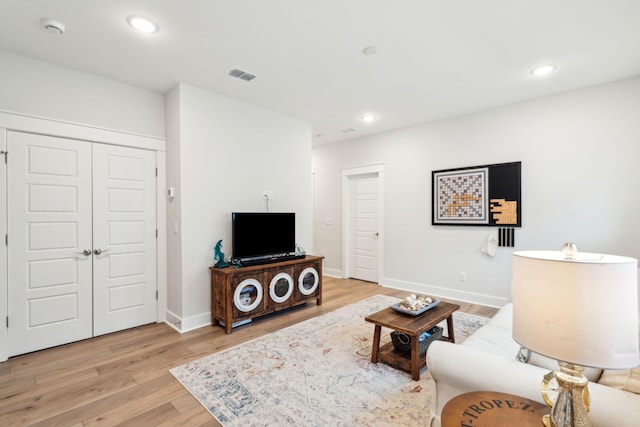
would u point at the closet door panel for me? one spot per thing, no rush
(49, 227)
(124, 237)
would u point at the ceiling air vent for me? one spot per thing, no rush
(243, 75)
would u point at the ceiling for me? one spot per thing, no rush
(435, 58)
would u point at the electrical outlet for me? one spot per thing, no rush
(463, 276)
(267, 194)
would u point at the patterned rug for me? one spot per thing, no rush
(315, 373)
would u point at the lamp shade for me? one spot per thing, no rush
(582, 310)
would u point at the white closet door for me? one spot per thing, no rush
(364, 205)
(49, 223)
(124, 194)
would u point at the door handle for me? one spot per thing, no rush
(86, 252)
(99, 251)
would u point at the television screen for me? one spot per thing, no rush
(259, 233)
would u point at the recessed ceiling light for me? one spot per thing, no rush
(52, 26)
(543, 70)
(142, 24)
(368, 118)
(370, 50)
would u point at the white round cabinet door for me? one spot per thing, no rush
(247, 295)
(281, 287)
(308, 281)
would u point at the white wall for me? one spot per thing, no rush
(40, 89)
(580, 154)
(229, 151)
(39, 97)
(174, 215)
(222, 154)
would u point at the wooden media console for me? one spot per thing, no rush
(239, 294)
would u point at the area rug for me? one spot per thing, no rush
(315, 373)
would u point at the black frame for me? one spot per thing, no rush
(487, 195)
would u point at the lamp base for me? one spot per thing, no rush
(572, 404)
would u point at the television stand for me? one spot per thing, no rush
(244, 293)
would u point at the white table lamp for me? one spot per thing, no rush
(580, 309)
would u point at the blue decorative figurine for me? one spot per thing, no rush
(219, 256)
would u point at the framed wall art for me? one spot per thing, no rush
(486, 195)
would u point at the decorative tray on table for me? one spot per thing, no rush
(415, 305)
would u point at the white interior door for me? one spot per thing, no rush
(365, 232)
(49, 224)
(124, 237)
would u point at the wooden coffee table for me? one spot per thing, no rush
(492, 409)
(413, 326)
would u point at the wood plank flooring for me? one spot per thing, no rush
(123, 379)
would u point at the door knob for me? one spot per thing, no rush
(85, 252)
(99, 251)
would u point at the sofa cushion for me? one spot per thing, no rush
(494, 339)
(504, 317)
(536, 359)
(495, 336)
(624, 379)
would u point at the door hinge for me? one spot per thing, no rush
(4, 153)
(7, 321)
(156, 297)
(156, 234)
(6, 240)
(156, 171)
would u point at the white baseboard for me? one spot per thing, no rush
(437, 291)
(332, 272)
(183, 325)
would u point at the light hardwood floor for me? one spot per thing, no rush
(123, 378)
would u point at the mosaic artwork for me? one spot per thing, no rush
(462, 196)
(481, 195)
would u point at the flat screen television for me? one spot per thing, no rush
(259, 234)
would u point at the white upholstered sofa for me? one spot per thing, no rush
(487, 361)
